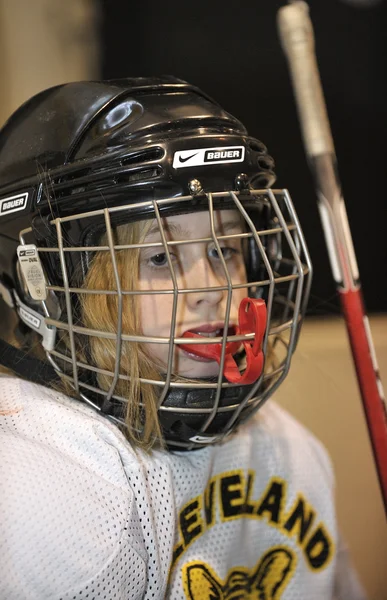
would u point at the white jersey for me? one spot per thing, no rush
(84, 516)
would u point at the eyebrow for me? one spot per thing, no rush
(178, 232)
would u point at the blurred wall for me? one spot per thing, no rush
(45, 43)
(321, 391)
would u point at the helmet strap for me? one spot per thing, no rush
(26, 367)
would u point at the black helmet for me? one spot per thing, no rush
(81, 158)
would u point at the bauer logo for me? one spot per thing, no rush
(13, 204)
(223, 155)
(205, 156)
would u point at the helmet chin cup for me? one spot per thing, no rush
(252, 317)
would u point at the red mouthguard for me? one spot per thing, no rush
(252, 319)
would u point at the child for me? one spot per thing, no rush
(165, 283)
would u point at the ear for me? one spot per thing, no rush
(272, 574)
(201, 584)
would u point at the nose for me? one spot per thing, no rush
(202, 277)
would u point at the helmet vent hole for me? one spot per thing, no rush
(257, 146)
(143, 156)
(265, 162)
(263, 181)
(143, 174)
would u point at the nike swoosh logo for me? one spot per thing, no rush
(183, 160)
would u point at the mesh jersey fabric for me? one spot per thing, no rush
(86, 516)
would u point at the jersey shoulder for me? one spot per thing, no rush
(276, 427)
(45, 418)
(65, 498)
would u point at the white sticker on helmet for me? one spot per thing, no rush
(13, 204)
(32, 271)
(30, 319)
(201, 439)
(208, 156)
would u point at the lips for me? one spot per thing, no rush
(207, 330)
(212, 330)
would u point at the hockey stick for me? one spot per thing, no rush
(297, 38)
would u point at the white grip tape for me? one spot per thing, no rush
(296, 33)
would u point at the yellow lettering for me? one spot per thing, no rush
(191, 524)
(250, 506)
(272, 501)
(209, 502)
(300, 519)
(319, 549)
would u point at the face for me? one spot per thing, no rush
(196, 266)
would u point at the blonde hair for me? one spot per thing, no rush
(100, 311)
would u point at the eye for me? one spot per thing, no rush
(159, 260)
(227, 252)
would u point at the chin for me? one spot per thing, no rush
(199, 370)
(185, 366)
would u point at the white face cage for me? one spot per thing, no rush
(282, 279)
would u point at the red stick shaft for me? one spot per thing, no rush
(297, 38)
(366, 368)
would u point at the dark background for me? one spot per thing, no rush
(231, 50)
